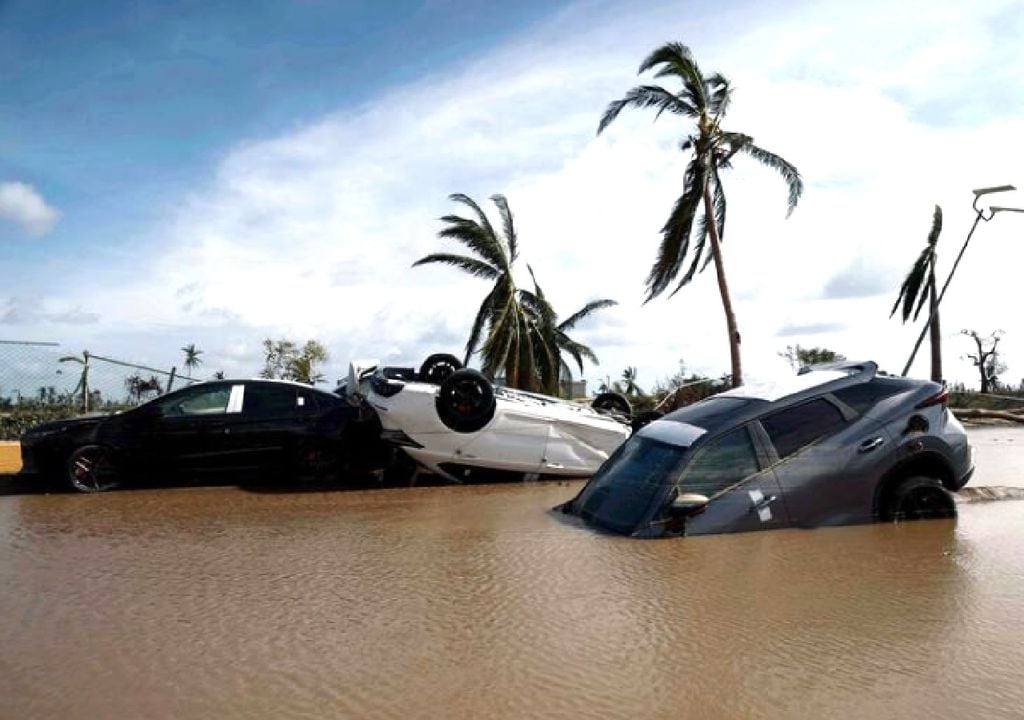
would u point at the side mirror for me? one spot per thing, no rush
(688, 504)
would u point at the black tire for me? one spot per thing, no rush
(437, 367)
(644, 418)
(465, 403)
(612, 403)
(918, 498)
(91, 469)
(316, 460)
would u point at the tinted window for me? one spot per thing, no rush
(270, 400)
(799, 426)
(864, 396)
(721, 464)
(629, 483)
(208, 401)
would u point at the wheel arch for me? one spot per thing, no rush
(927, 464)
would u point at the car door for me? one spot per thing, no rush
(513, 440)
(734, 474)
(826, 460)
(189, 433)
(274, 417)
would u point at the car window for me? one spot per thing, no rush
(720, 464)
(207, 401)
(863, 396)
(797, 427)
(272, 401)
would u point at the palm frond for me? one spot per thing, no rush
(475, 237)
(676, 231)
(469, 202)
(783, 167)
(477, 268)
(482, 316)
(593, 306)
(577, 350)
(936, 229)
(720, 93)
(914, 289)
(670, 53)
(508, 225)
(912, 285)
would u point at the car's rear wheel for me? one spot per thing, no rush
(91, 468)
(438, 367)
(612, 403)
(465, 402)
(918, 498)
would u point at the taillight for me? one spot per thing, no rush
(939, 398)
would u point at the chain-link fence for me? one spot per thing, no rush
(41, 381)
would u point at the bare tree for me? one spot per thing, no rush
(987, 358)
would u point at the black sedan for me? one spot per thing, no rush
(237, 428)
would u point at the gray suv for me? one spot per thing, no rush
(837, 444)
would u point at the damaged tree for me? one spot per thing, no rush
(987, 358)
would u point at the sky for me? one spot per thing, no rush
(220, 173)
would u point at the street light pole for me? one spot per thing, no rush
(979, 215)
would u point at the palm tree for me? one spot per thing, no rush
(551, 338)
(629, 382)
(705, 99)
(919, 286)
(508, 345)
(192, 359)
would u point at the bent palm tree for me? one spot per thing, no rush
(705, 99)
(919, 286)
(508, 345)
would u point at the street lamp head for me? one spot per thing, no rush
(996, 208)
(989, 190)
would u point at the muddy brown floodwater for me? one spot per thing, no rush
(477, 602)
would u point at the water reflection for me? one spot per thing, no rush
(477, 601)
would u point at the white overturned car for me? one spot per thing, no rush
(454, 422)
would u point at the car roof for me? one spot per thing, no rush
(747, 402)
(806, 382)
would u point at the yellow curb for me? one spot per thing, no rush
(10, 458)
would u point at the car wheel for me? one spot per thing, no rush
(612, 403)
(465, 402)
(316, 460)
(91, 469)
(644, 418)
(436, 368)
(918, 498)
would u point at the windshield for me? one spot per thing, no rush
(637, 475)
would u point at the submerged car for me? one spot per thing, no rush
(454, 422)
(221, 428)
(837, 444)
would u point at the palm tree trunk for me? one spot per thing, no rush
(723, 289)
(936, 337)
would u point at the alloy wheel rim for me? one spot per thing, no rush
(92, 471)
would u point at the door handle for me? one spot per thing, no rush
(872, 444)
(765, 502)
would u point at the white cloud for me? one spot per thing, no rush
(22, 204)
(311, 234)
